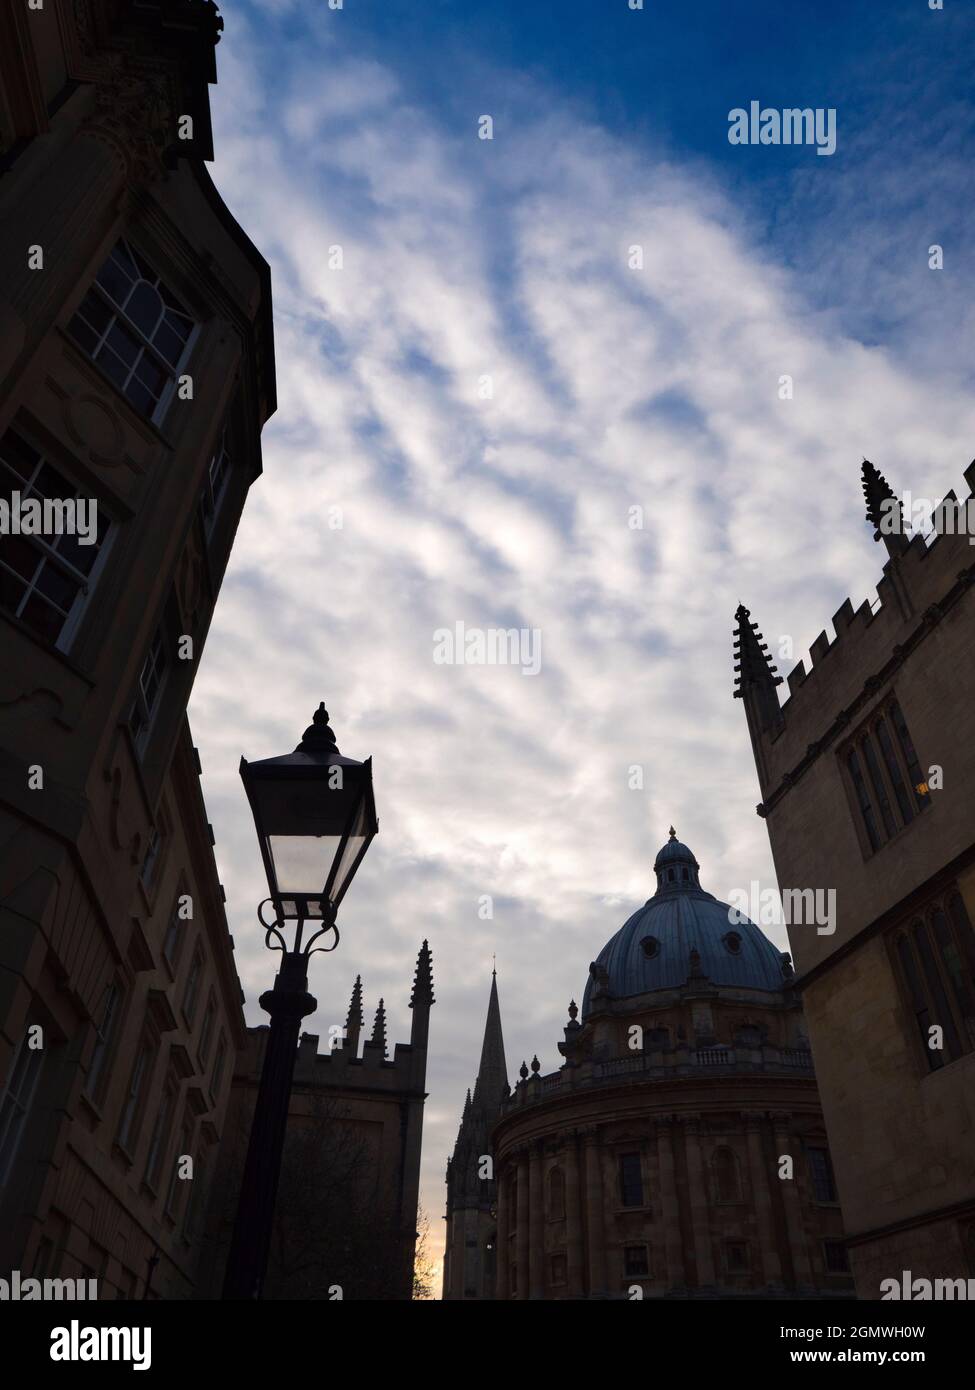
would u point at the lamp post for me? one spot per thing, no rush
(315, 817)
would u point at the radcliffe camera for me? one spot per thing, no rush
(487, 652)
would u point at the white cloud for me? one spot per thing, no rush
(612, 388)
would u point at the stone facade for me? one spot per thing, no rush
(866, 780)
(355, 1127)
(680, 1151)
(136, 371)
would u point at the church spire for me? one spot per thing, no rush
(876, 493)
(492, 1073)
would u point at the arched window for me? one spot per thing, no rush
(725, 1175)
(670, 876)
(556, 1194)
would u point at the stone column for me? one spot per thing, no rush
(781, 1125)
(697, 1185)
(573, 1217)
(536, 1222)
(673, 1246)
(502, 1288)
(761, 1180)
(594, 1213)
(522, 1232)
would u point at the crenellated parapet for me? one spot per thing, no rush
(921, 584)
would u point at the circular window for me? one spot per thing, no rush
(651, 946)
(733, 942)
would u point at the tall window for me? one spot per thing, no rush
(725, 1175)
(821, 1172)
(218, 1065)
(173, 938)
(151, 679)
(160, 1133)
(206, 1029)
(636, 1262)
(151, 857)
(174, 1192)
(191, 993)
(631, 1180)
(105, 1029)
(135, 329)
(936, 955)
(863, 799)
(885, 774)
(128, 1129)
(45, 579)
(16, 1100)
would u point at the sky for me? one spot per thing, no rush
(479, 406)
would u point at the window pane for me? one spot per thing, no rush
(863, 798)
(936, 991)
(893, 767)
(144, 308)
(631, 1180)
(876, 778)
(20, 556)
(57, 586)
(918, 1001)
(910, 755)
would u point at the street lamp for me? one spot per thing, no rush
(315, 817)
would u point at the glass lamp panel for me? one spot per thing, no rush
(302, 862)
(353, 846)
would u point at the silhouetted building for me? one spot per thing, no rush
(137, 369)
(680, 1151)
(866, 774)
(469, 1256)
(346, 1216)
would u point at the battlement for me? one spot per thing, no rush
(921, 582)
(340, 1065)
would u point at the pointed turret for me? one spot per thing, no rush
(378, 1038)
(757, 678)
(884, 511)
(353, 1023)
(422, 998)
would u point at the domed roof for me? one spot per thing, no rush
(652, 950)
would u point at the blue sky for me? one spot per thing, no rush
(612, 388)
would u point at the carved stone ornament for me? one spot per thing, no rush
(133, 115)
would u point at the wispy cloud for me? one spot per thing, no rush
(612, 388)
